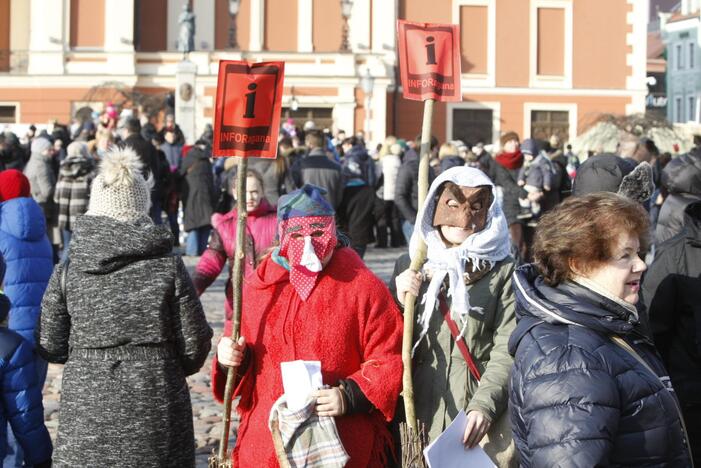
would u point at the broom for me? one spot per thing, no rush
(221, 459)
(412, 433)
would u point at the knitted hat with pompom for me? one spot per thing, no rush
(13, 184)
(120, 191)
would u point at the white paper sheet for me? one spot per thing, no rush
(299, 379)
(448, 451)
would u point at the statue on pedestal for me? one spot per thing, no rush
(186, 36)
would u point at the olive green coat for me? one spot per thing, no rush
(442, 383)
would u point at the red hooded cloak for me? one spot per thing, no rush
(349, 322)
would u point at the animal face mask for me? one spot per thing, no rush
(462, 207)
(306, 242)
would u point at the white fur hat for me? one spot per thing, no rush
(120, 191)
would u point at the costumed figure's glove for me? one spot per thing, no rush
(356, 401)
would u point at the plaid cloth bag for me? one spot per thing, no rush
(309, 440)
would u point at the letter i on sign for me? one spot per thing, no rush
(250, 102)
(430, 51)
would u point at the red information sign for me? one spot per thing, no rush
(249, 103)
(429, 61)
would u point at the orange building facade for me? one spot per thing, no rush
(533, 66)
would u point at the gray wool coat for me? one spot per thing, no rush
(129, 329)
(41, 177)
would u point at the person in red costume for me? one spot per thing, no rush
(313, 299)
(261, 223)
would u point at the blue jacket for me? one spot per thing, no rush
(576, 397)
(20, 392)
(29, 259)
(359, 168)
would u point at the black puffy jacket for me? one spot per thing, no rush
(578, 399)
(198, 193)
(406, 195)
(672, 293)
(682, 179)
(503, 178)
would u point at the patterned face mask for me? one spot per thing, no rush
(306, 242)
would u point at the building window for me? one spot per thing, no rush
(545, 123)
(87, 27)
(477, 20)
(551, 43)
(692, 52)
(550, 60)
(473, 125)
(680, 57)
(691, 102)
(474, 38)
(8, 114)
(151, 25)
(678, 109)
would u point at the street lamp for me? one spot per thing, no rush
(346, 8)
(294, 103)
(367, 84)
(233, 11)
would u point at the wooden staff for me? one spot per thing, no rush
(412, 455)
(237, 280)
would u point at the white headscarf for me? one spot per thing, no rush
(482, 249)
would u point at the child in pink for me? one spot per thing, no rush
(260, 235)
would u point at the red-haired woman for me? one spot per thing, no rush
(587, 387)
(261, 224)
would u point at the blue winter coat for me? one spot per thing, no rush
(29, 259)
(21, 399)
(577, 399)
(20, 392)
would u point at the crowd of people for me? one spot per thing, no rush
(558, 304)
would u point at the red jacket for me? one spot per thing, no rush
(350, 323)
(261, 228)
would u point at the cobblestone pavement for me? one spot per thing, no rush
(206, 412)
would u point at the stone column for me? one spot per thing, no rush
(204, 24)
(48, 36)
(257, 26)
(175, 7)
(185, 81)
(384, 37)
(119, 36)
(305, 13)
(360, 23)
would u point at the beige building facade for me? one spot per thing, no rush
(533, 66)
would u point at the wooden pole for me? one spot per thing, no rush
(418, 259)
(237, 281)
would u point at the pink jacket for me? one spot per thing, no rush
(261, 227)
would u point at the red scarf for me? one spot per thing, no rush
(510, 161)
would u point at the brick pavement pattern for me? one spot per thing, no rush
(206, 412)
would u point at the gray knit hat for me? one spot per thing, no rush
(120, 191)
